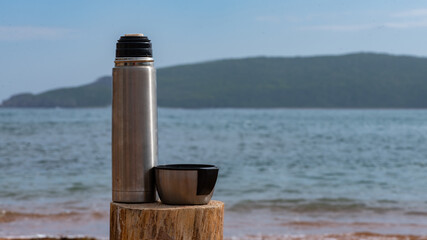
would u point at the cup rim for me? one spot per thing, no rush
(186, 167)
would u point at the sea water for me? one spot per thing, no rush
(281, 170)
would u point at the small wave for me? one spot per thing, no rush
(386, 201)
(339, 200)
(320, 206)
(78, 187)
(11, 216)
(306, 206)
(416, 213)
(331, 224)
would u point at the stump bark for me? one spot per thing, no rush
(150, 221)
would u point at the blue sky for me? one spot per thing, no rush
(49, 44)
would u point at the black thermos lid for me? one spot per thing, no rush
(134, 45)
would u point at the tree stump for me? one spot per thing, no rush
(150, 221)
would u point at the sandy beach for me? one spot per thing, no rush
(349, 236)
(50, 238)
(237, 227)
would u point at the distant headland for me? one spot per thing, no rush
(359, 80)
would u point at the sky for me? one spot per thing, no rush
(50, 44)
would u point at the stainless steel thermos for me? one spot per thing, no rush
(134, 113)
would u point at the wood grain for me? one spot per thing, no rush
(166, 222)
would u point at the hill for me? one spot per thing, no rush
(362, 80)
(95, 94)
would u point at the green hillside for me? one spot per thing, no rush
(362, 80)
(96, 94)
(350, 81)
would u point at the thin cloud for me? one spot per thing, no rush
(406, 25)
(421, 12)
(32, 33)
(409, 19)
(341, 28)
(363, 27)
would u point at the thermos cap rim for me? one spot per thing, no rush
(134, 35)
(133, 45)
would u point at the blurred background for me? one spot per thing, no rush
(67, 43)
(313, 110)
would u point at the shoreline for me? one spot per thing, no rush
(342, 236)
(50, 238)
(253, 225)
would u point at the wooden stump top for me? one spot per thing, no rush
(158, 206)
(166, 222)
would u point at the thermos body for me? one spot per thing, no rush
(134, 130)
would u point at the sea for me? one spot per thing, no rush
(282, 171)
